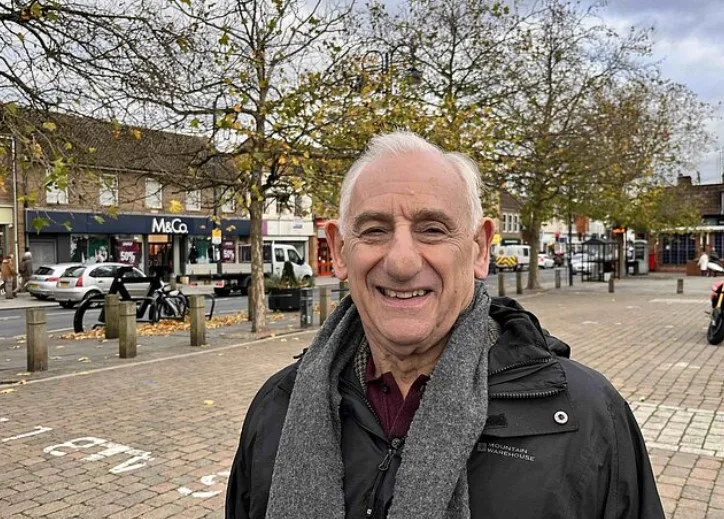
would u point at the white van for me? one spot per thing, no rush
(504, 255)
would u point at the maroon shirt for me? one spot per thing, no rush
(384, 396)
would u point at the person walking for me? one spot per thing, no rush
(25, 270)
(704, 264)
(7, 270)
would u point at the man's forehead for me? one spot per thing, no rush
(403, 170)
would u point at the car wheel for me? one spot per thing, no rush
(92, 293)
(66, 304)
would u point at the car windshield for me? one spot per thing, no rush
(73, 272)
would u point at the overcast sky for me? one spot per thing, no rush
(689, 41)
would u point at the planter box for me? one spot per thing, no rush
(285, 299)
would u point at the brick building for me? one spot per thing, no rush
(116, 206)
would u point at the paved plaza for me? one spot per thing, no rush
(154, 437)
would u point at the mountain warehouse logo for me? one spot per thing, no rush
(508, 451)
(175, 226)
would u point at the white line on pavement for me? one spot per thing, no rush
(9, 318)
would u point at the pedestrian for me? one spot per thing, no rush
(704, 263)
(422, 396)
(25, 269)
(7, 269)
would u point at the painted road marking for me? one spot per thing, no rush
(39, 429)
(208, 480)
(138, 460)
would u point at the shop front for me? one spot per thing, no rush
(165, 242)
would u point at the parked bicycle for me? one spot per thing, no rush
(160, 302)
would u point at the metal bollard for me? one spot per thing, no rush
(610, 285)
(343, 289)
(558, 278)
(110, 309)
(306, 311)
(172, 282)
(501, 284)
(519, 282)
(197, 306)
(36, 335)
(680, 286)
(323, 304)
(127, 330)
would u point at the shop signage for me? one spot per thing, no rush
(163, 226)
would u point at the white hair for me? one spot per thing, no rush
(400, 143)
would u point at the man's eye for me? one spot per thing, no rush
(374, 231)
(433, 230)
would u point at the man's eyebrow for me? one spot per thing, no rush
(426, 215)
(371, 216)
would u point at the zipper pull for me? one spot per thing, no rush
(395, 445)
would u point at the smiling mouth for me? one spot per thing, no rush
(396, 294)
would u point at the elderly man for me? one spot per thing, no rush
(422, 397)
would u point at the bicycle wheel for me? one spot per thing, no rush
(86, 317)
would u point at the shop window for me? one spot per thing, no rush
(678, 249)
(54, 193)
(200, 250)
(109, 190)
(193, 200)
(154, 194)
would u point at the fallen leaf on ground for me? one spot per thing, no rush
(4, 391)
(209, 402)
(22, 381)
(23, 374)
(84, 359)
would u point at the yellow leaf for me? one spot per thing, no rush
(209, 402)
(49, 126)
(5, 391)
(23, 374)
(84, 359)
(136, 134)
(282, 160)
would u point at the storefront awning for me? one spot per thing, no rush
(65, 222)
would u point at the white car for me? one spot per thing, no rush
(545, 261)
(581, 262)
(79, 283)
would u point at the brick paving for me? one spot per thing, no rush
(155, 437)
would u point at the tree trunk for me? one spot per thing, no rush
(532, 236)
(258, 301)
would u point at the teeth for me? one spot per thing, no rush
(403, 295)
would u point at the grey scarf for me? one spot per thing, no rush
(432, 479)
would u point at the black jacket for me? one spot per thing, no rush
(559, 442)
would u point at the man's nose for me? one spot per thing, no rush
(403, 260)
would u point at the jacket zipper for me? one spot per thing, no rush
(534, 394)
(392, 449)
(532, 362)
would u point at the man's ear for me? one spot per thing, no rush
(483, 238)
(336, 243)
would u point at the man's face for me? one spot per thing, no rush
(409, 253)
